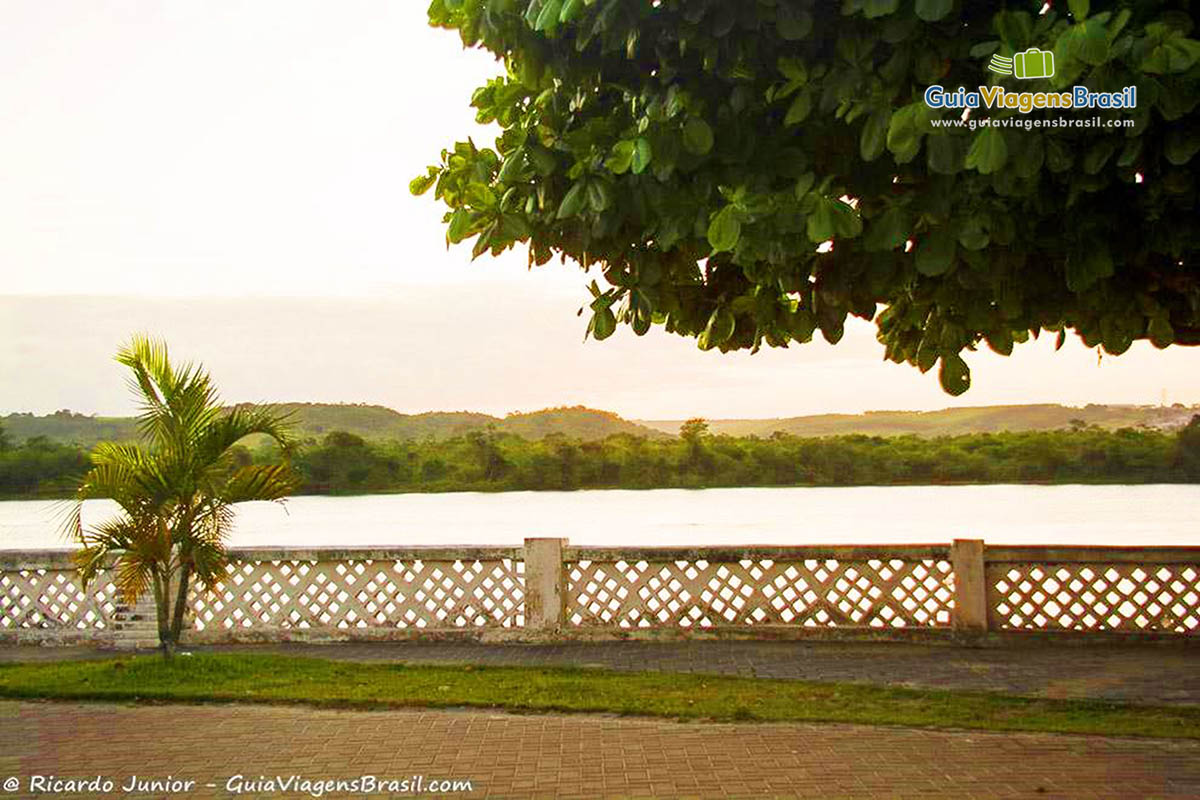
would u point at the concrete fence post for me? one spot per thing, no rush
(545, 584)
(970, 586)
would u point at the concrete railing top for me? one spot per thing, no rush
(756, 552)
(62, 558)
(1092, 554)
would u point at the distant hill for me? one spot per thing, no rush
(314, 420)
(950, 421)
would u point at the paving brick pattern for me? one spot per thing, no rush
(555, 756)
(1159, 674)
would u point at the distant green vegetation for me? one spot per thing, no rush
(491, 460)
(39, 467)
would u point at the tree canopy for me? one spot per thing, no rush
(752, 172)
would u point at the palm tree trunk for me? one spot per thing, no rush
(185, 574)
(162, 602)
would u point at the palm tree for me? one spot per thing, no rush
(177, 491)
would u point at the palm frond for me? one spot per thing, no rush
(148, 361)
(133, 575)
(101, 543)
(238, 423)
(209, 565)
(260, 482)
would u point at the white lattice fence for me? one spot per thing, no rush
(1123, 597)
(52, 599)
(365, 593)
(828, 592)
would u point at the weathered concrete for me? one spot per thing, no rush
(970, 588)
(544, 585)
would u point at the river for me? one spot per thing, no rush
(1001, 514)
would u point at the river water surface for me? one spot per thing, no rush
(1004, 514)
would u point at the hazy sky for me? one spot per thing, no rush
(233, 176)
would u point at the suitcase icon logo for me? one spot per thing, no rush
(1032, 63)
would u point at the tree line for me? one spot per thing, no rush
(489, 460)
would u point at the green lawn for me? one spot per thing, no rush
(317, 682)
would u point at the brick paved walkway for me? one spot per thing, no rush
(1155, 673)
(577, 756)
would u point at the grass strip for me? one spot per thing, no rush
(219, 677)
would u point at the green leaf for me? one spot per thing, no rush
(799, 108)
(887, 231)
(847, 224)
(1079, 8)
(532, 12)
(927, 353)
(460, 224)
(481, 196)
(548, 18)
(1175, 54)
(621, 159)
(935, 253)
(907, 126)
(421, 183)
(1160, 332)
(879, 8)
(954, 375)
(1098, 155)
(720, 326)
(513, 165)
(794, 70)
(724, 230)
(570, 10)
(598, 195)
(573, 202)
(984, 49)
(933, 10)
(803, 184)
(1084, 270)
(1029, 155)
(972, 236)
(821, 224)
(1000, 341)
(641, 155)
(874, 135)
(543, 160)
(988, 151)
(1182, 144)
(944, 153)
(1088, 42)
(604, 322)
(697, 136)
(792, 25)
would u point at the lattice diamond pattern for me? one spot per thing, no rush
(1102, 597)
(52, 598)
(811, 593)
(365, 594)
